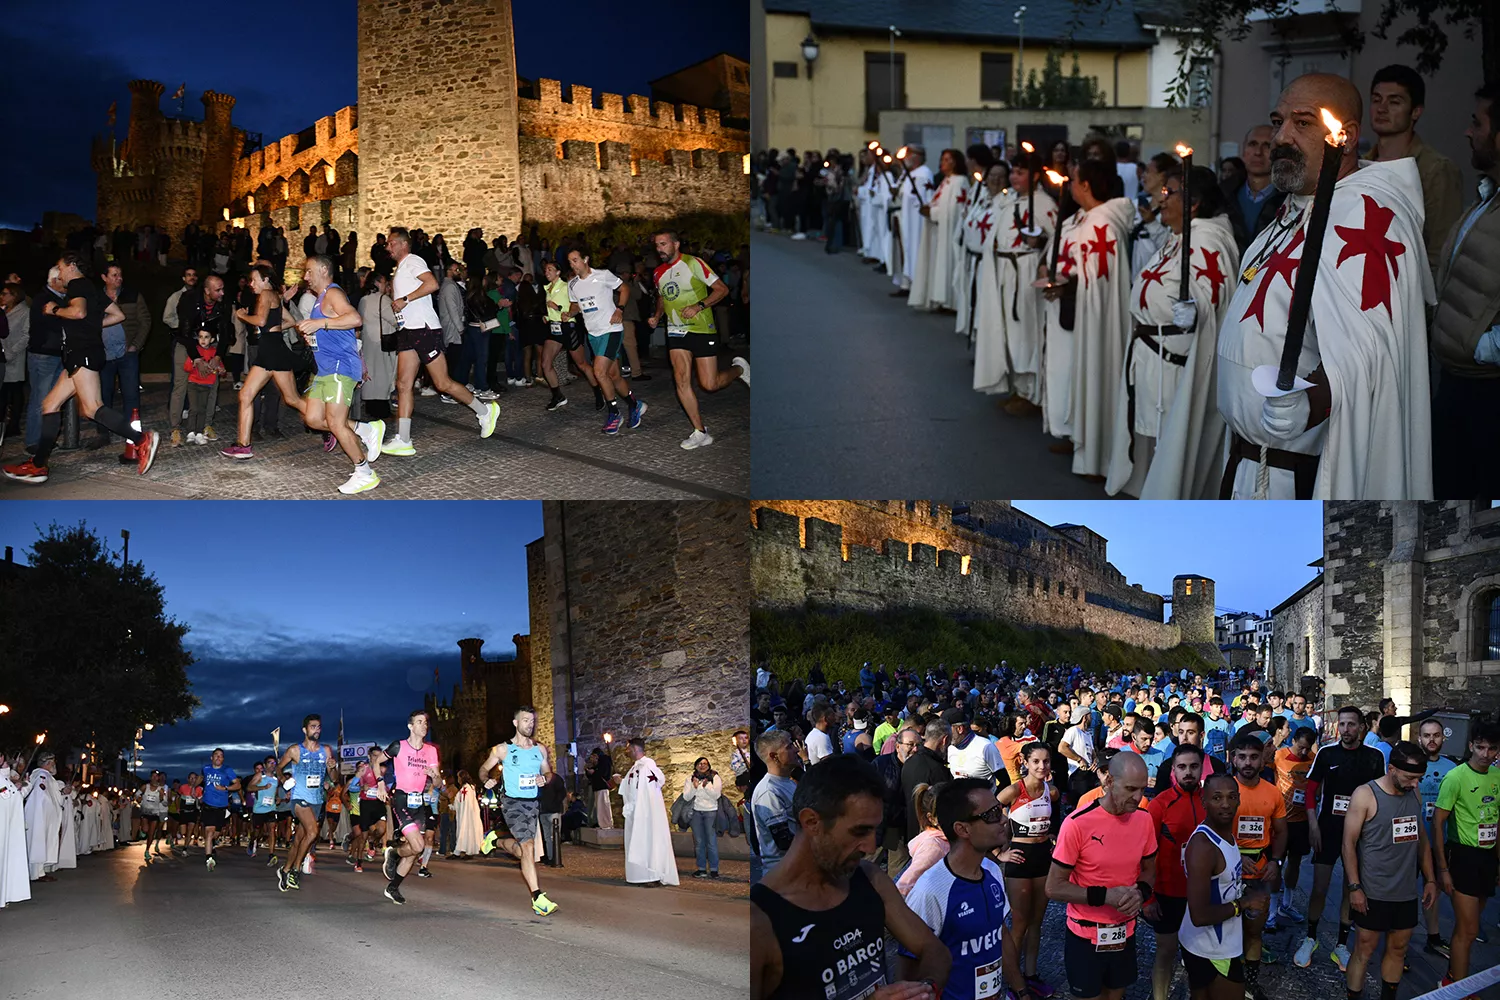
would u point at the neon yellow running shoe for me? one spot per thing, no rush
(488, 844)
(542, 906)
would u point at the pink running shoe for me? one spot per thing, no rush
(239, 451)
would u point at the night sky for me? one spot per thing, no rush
(276, 638)
(66, 65)
(1255, 552)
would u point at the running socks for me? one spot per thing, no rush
(116, 423)
(1388, 990)
(51, 427)
(426, 856)
(403, 429)
(1344, 933)
(479, 406)
(1252, 972)
(534, 895)
(1312, 928)
(363, 468)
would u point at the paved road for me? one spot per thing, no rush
(115, 929)
(858, 395)
(533, 453)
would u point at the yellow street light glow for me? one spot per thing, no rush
(4, 709)
(328, 173)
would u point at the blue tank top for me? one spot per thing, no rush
(307, 773)
(337, 352)
(522, 771)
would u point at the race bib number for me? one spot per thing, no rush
(311, 780)
(527, 780)
(987, 980)
(1252, 827)
(1299, 797)
(1110, 938)
(1427, 810)
(1404, 830)
(1037, 827)
(555, 326)
(188, 800)
(1341, 804)
(1487, 834)
(414, 800)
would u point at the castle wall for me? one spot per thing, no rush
(650, 129)
(590, 182)
(810, 564)
(268, 172)
(1297, 640)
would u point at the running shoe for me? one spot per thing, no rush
(239, 451)
(329, 442)
(307, 863)
(273, 862)
(252, 848)
(428, 390)
(27, 472)
(371, 436)
(1272, 927)
(394, 895)
(700, 873)
(210, 863)
(1437, 946)
(488, 844)
(1303, 958)
(176, 437)
(350, 862)
(445, 398)
(744, 371)
(1042, 989)
(489, 419)
(359, 868)
(697, 439)
(1480, 937)
(558, 403)
(282, 882)
(292, 880)
(359, 482)
(612, 425)
(487, 395)
(1269, 957)
(388, 867)
(396, 446)
(423, 872)
(636, 412)
(148, 857)
(1449, 980)
(1340, 957)
(625, 371)
(1254, 991)
(1291, 915)
(542, 906)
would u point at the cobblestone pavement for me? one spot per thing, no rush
(532, 454)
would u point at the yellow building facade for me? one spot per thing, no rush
(827, 108)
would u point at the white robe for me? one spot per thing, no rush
(915, 189)
(104, 826)
(15, 881)
(44, 821)
(1058, 342)
(877, 241)
(1021, 303)
(932, 277)
(125, 816)
(863, 204)
(992, 365)
(972, 238)
(1159, 384)
(67, 850)
(1102, 254)
(648, 835)
(470, 828)
(1367, 328)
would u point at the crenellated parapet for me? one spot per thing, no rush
(316, 164)
(651, 128)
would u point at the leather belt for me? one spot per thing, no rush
(1146, 335)
(1304, 468)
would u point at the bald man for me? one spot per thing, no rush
(1356, 426)
(1256, 203)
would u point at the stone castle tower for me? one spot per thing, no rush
(439, 124)
(478, 713)
(222, 144)
(1193, 608)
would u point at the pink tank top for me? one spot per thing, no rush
(411, 766)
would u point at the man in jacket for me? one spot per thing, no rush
(201, 309)
(925, 766)
(893, 822)
(474, 250)
(1253, 205)
(450, 307)
(1397, 97)
(189, 282)
(1465, 328)
(127, 367)
(44, 353)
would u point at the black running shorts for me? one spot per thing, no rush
(702, 345)
(426, 342)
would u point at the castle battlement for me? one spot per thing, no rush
(578, 154)
(634, 110)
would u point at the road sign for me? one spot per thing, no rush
(357, 751)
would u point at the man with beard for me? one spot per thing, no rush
(525, 766)
(1254, 204)
(1357, 424)
(820, 917)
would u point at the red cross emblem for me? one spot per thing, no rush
(1371, 241)
(1023, 221)
(1148, 276)
(1102, 246)
(1281, 263)
(1065, 260)
(1211, 272)
(984, 227)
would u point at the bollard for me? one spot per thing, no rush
(69, 425)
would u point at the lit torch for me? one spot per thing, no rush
(1186, 152)
(1056, 180)
(1031, 227)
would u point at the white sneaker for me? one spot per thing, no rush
(371, 433)
(698, 439)
(428, 390)
(448, 399)
(1340, 956)
(488, 420)
(744, 371)
(1303, 958)
(470, 387)
(799, 236)
(360, 482)
(486, 395)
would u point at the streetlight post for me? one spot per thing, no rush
(891, 62)
(1020, 18)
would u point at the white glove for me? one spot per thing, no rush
(1488, 351)
(1185, 314)
(1286, 416)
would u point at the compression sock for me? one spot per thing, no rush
(534, 895)
(556, 392)
(1312, 928)
(403, 428)
(51, 426)
(1388, 990)
(479, 406)
(426, 857)
(116, 423)
(396, 882)
(363, 468)
(1344, 933)
(1252, 972)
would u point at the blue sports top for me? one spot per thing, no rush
(337, 352)
(308, 772)
(969, 918)
(522, 771)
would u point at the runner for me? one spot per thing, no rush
(525, 767)
(591, 294)
(312, 765)
(1211, 935)
(1338, 769)
(419, 343)
(1030, 803)
(340, 368)
(1430, 737)
(689, 290)
(219, 781)
(413, 761)
(1105, 885)
(562, 335)
(263, 810)
(189, 812)
(371, 826)
(1385, 843)
(281, 827)
(83, 321)
(1260, 835)
(154, 812)
(1464, 843)
(1175, 814)
(430, 827)
(820, 917)
(962, 899)
(1292, 764)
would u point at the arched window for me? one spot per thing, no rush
(1487, 624)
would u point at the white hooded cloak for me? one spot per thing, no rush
(648, 833)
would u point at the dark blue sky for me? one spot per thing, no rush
(1256, 553)
(305, 607)
(65, 65)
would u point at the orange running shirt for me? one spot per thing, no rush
(1254, 824)
(1010, 753)
(1291, 781)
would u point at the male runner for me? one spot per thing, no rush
(218, 782)
(1176, 811)
(1430, 737)
(415, 760)
(1464, 842)
(263, 813)
(1260, 835)
(312, 765)
(1292, 764)
(1338, 769)
(525, 767)
(370, 827)
(1385, 842)
(419, 342)
(962, 897)
(688, 291)
(154, 812)
(1212, 934)
(591, 294)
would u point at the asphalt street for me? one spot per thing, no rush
(114, 928)
(858, 395)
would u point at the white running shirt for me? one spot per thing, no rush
(595, 296)
(418, 315)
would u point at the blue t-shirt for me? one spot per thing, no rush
(1215, 736)
(1432, 780)
(265, 794)
(969, 918)
(1153, 758)
(216, 781)
(1372, 739)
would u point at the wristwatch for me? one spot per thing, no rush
(1355, 887)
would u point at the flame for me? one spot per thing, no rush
(1334, 126)
(1028, 147)
(873, 144)
(1184, 150)
(901, 153)
(977, 175)
(887, 157)
(1055, 178)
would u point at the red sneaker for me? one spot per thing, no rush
(146, 450)
(26, 472)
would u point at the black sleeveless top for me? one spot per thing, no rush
(274, 355)
(842, 948)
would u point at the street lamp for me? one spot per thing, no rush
(810, 52)
(1020, 18)
(4, 709)
(895, 33)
